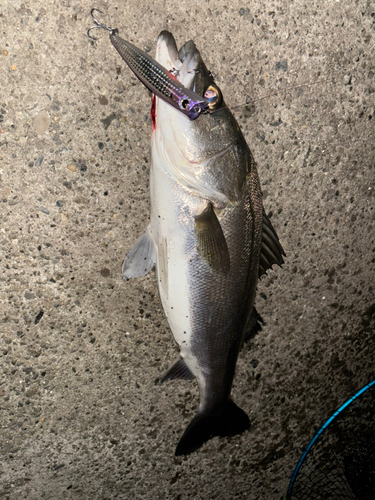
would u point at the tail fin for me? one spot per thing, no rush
(229, 422)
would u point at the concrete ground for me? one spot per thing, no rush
(80, 414)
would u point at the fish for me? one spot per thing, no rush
(209, 239)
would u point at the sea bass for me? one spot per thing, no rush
(209, 238)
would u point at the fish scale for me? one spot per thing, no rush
(224, 334)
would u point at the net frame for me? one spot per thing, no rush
(340, 465)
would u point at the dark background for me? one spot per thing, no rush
(80, 414)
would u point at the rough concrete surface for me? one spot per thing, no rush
(81, 416)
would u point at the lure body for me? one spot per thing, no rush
(158, 80)
(154, 76)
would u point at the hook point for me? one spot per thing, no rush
(92, 15)
(98, 24)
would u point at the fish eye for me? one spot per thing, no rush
(213, 96)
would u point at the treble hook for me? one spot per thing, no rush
(98, 24)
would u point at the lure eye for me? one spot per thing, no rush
(213, 96)
(184, 103)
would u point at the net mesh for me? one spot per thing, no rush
(339, 463)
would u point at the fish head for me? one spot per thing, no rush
(210, 152)
(187, 66)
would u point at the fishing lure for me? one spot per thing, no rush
(154, 76)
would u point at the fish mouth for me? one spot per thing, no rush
(186, 64)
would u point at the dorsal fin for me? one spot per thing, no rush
(271, 252)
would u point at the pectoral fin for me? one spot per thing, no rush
(141, 257)
(211, 242)
(271, 252)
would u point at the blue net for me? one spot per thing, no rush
(339, 462)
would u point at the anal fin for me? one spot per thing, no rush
(140, 258)
(178, 369)
(271, 251)
(211, 242)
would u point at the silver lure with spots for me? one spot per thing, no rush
(209, 238)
